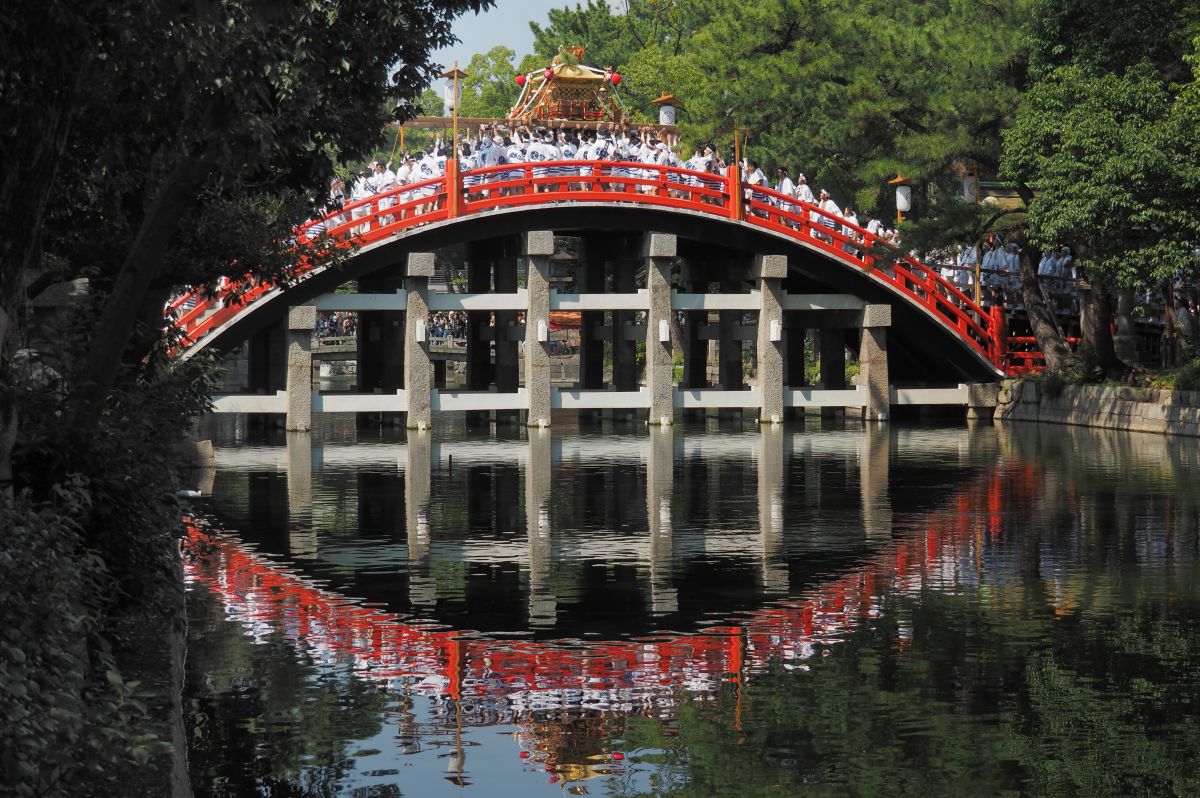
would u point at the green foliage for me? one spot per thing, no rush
(70, 719)
(489, 88)
(1114, 158)
(1107, 134)
(853, 94)
(1188, 377)
(651, 44)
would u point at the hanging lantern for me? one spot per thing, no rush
(521, 80)
(615, 78)
(548, 73)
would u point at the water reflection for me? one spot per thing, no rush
(780, 603)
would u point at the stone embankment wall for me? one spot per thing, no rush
(1123, 408)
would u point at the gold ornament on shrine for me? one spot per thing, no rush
(568, 91)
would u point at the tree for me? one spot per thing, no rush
(489, 89)
(142, 146)
(169, 119)
(593, 26)
(1107, 134)
(651, 44)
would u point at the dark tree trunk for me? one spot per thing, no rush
(1125, 340)
(1095, 322)
(176, 196)
(1037, 306)
(1041, 318)
(32, 152)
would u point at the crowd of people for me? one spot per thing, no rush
(336, 324)
(442, 324)
(566, 159)
(570, 155)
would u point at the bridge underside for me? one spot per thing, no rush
(920, 350)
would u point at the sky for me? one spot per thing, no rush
(506, 23)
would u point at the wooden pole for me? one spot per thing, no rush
(454, 135)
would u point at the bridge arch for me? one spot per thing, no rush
(788, 259)
(927, 345)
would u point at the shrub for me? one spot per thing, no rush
(1188, 377)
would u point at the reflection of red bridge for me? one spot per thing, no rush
(626, 674)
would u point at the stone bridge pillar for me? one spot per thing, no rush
(302, 322)
(660, 251)
(873, 362)
(416, 352)
(772, 345)
(538, 247)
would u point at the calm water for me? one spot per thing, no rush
(710, 611)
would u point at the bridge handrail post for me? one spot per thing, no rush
(999, 341)
(453, 188)
(733, 185)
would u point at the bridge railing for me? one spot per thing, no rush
(1022, 355)
(382, 216)
(849, 243)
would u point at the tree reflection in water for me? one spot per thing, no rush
(1036, 632)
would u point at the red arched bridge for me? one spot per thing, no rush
(798, 262)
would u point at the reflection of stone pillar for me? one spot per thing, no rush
(416, 353)
(421, 590)
(539, 246)
(302, 321)
(873, 362)
(660, 255)
(660, 485)
(774, 569)
(873, 473)
(772, 346)
(302, 538)
(543, 610)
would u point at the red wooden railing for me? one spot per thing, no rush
(1021, 355)
(386, 215)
